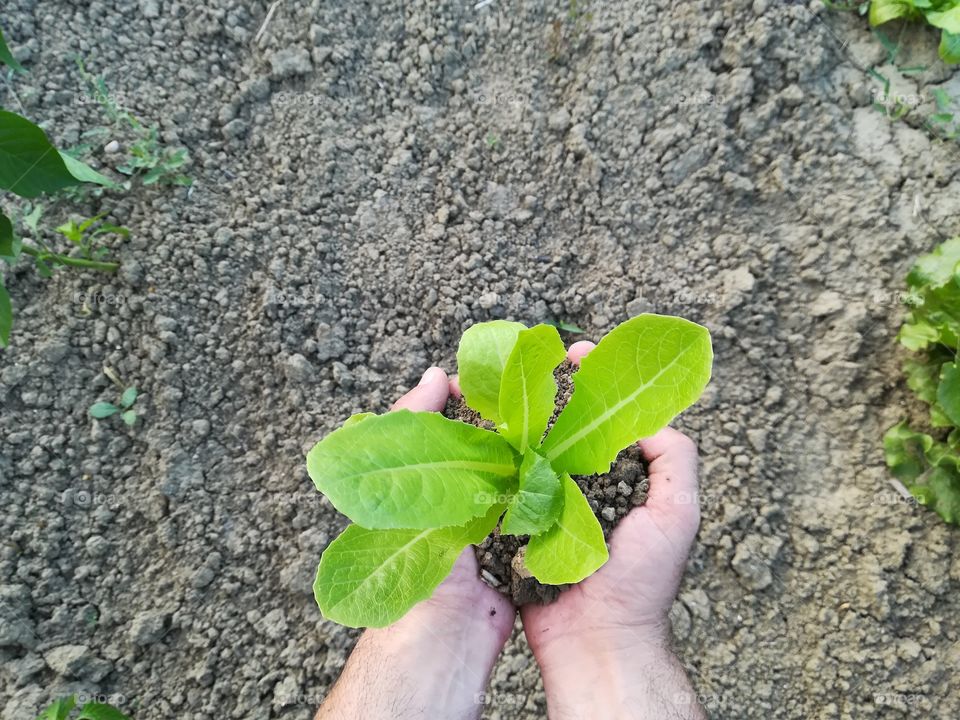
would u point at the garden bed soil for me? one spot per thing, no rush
(611, 496)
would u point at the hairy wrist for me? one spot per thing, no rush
(617, 675)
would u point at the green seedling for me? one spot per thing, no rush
(146, 157)
(941, 14)
(929, 466)
(62, 709)
(492, 141)
(85, 233)
(420, 487)
(102, 410)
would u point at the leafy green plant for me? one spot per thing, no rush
(565, 326)
(31, 166)
(146, 157)
(85, 233)
(942, 14)
(930, 467)
(62, 708)
(420, 487)
(102, 410)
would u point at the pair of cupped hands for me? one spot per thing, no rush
(597, 634)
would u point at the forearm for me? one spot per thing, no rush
(611, 682)
(431, 668)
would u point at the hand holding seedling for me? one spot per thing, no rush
(602, 646)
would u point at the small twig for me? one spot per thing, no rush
(266, 21)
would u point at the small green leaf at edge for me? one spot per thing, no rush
(882, 11)
(6, 317)
(413, 470)
(528, 391)
(102, 410)
(7, 58)
(59, 710)
(355, 595)
(484, 350)
(129, 417)
(535, 507)
(129, 397)
(574, 548)
(100, 711)
(6, 236)
(641, 375)
(905, 452)
(948, 392)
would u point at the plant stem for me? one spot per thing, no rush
(71, 261)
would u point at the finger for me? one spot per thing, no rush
(579, 350)
(429, 395)
(455, 386)
(672, 459)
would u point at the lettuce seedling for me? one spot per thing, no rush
(420, 487)
(62, 709)
(930, 468)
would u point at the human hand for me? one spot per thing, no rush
(435, 661)
(604, 642)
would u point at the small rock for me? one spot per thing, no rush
(236, 128)
(112, 147)
(148, 627)
(624, 489)
(559, 120)
(76, 661)
(609, 514)
(298, 369)
(290, 62)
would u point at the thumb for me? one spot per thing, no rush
(429, 395)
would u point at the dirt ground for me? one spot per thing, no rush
(372, 178)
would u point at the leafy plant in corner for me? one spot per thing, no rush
(930, 466)
(420, 487)
(102, 410)
(62, 708)
(29, 167)
(942, 14)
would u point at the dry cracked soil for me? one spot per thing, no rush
(370, 179)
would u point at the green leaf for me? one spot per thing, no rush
(948, 393)
(638, 378)
(6, 316)
(948, 20)
(129, 417)
(59, 710)
(950, 47)
(371, 578)
(100, 711)
(29, 164)
(103, 410)
(412, 470)
(882, 11)
(7, 58)
(528, 391)
(84, 173)
(941, 493)
(483, 353)
(574, 547)
(537, 504)
(6, 236)
(129, 397)
(936, 268)
(905, 451)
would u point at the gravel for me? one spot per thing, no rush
(369, 181)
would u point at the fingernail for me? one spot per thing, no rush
(429, 375)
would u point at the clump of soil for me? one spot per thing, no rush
(611, 496)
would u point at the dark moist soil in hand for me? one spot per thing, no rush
(611, 495)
